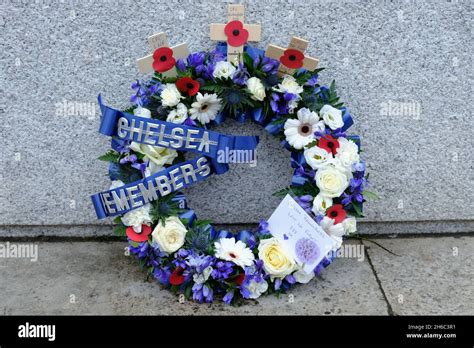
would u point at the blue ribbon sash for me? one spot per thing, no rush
(153, 132)
(138, 193)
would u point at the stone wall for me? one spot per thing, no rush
(404, 68)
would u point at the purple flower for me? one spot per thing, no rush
(222, 270)
(141, 167)
(202, 293)
(359, 167)
(162, 275)
(241, 75)
(228, 297)
(143, 92)
(305, 202)
(262, 229)
(280, 103)
(199, 262)
(253, 273)
(277, 284)
(306, 250)
(181, 64)
(269, 65)
(312, 81)
(290, 279)
(196, 59)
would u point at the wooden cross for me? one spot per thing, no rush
(293, 57)
(156, 41)
(249, 32)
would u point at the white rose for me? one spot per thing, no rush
(289, 85)
(179, 115)
(347, 153)
(142, 112)
(256, 288)
(224, 70)
(170, 95)
(331, 181)
(302, 277)
(321, 204)
(331, 116)
(316, 157)
(137, 217)
(350, 225)
(277, 261)
(157, 155)
(170, 236)
(256, 88)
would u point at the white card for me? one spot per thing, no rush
(301, 235)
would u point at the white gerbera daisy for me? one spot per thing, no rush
(237, 252)
(300, 132)
(205, 108)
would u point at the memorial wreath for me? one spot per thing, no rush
(172, 112)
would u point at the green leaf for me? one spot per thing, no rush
(358, 209)
(188, 291)
(121, 230)
(370, 195)
(110, 156)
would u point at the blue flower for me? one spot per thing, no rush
(202, 293)
(228, 297)
(181, 64)
(222, 270)
(241, 75)
(144, 91)
(162, 275)
(269, 65)
(312, 81)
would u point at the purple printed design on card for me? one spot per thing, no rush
(306, 250)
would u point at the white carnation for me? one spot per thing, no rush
(170, 95)
(224, 70)
(331, 116)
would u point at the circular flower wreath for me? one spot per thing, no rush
(188, 255)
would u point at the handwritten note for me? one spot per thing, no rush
(302, 235)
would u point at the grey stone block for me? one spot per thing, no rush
(97, 278)
(414, 54)
(432, 276)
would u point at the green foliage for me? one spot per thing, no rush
(164, 207)
(110, 156)
(357, 209)
(306, 189)
(370, 195)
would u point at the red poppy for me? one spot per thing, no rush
(337, 213)
(163, 59)
(236, 34)
(239, 279)
(188, 85)
(138, 237)
(329, 143)
(177, 278)
(292, 58)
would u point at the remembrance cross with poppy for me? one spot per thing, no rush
(235, 33)
(164, 57)
(293, 57)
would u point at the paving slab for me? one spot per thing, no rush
(97, 278)
(432, 276)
